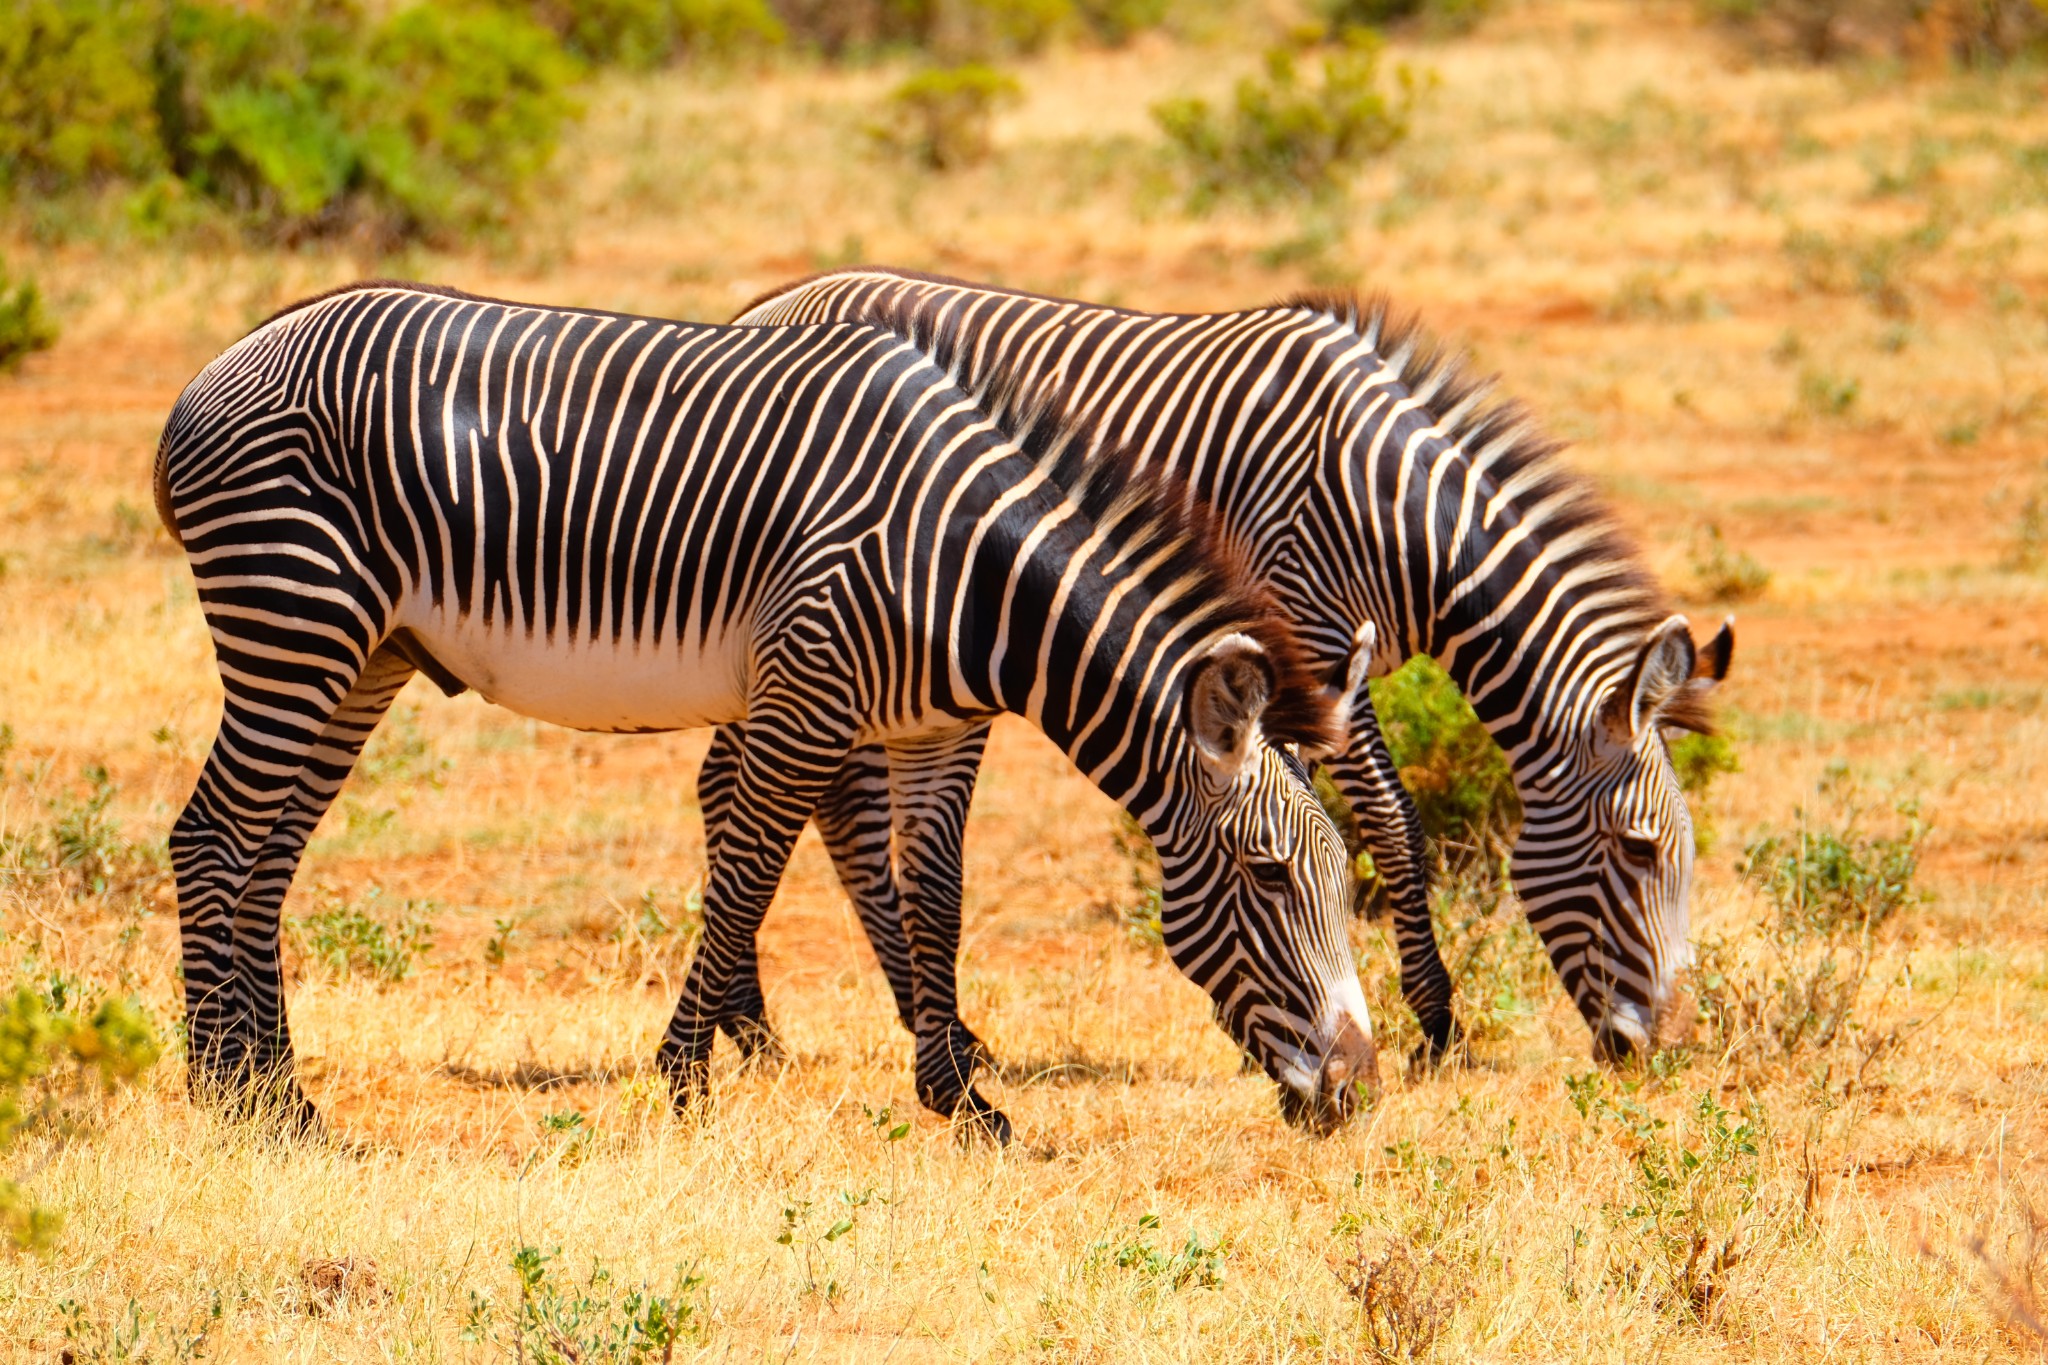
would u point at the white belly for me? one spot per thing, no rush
(592, 684)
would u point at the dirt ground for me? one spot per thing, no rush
(1808, 308)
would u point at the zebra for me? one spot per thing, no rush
(1368, 477)
(625, 524)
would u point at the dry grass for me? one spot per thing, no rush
(1684, 263)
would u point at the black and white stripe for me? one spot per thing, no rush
(625, 524)
(1368, 480)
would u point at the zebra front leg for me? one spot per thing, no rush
(782, 771)
(1392, 830)
(931, 783)
(259, 974)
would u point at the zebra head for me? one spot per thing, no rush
(1604, 861)
(1256, 890)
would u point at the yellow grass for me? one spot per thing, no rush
(1663, 249)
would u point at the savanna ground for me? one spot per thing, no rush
(1808, 307)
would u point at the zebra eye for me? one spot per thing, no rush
(1640, 849)
(1271, 876)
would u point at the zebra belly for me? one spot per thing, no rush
(618, 686)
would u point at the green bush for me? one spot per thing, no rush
(1829, 881)
(558, 1321)
(347, 940)
(1434, 16)
(644, 34)
(943, 117)
(24, 327)
(1698, 760)
(1457, 775)
(53, 1059)
(1284, 135)
(300, 116)
(1726, 574)
(76, 97)
(1116, 22)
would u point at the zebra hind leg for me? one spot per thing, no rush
(776, 784)
(275, 1093)
(745, 1018)
(275, 714)
(931, 784)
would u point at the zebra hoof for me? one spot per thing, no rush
(1441, 1046)
(689, 1082)
(976, 1120)
(755, 1040)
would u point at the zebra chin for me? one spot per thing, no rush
(1629, 1030)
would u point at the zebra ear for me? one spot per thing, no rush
(1655, 687)
(1346, 696)
(1228, 692)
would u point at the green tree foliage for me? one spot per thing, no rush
(53, 1058)
(1433, 16)
(76, 96)
(944, 117)
(1457, 775)
(1287, 135)
(24, 327)
(644, 34)
(300, 117)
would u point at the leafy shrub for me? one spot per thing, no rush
(1140, 911)
(1726, 574)
(1118, 21)
(347, 940)
(1827, 881)
(1194, 1266)
(1793, 990)
(1698, 760)
(76, 98)
(1434, 16)
(1457, 775)
(53, 1059)
(24, 327)
(643, 34)
(301, 116)
(1688, 1209)
(82, 851)
(943, 117)
(1284, 135)
(558, 1321)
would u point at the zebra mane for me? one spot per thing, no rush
(358, 286)
(1147, 511)
(1469, 409)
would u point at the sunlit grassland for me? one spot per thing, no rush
(1805, 306)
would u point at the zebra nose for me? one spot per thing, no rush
(1351, 1071)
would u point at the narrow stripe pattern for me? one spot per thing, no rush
(1368, 479)
(810, 534)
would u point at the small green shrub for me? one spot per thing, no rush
(644, 34)
(347, 940)
(55, 1059)
(1116, 22)
(944, 118)
(1456, 774)
(1139, 911)
(1829, 881)
(1689, 1212)
(76, 98)
(1828, 395)
(1726, 574)
(2028, 551)
(1284, 135)
(1440, 17)
(560, 1322)
(1698, 760)
(1196, 1265)
(82, 851)
(24, 327)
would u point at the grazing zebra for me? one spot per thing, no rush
(1367, 478)
(623, 524)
